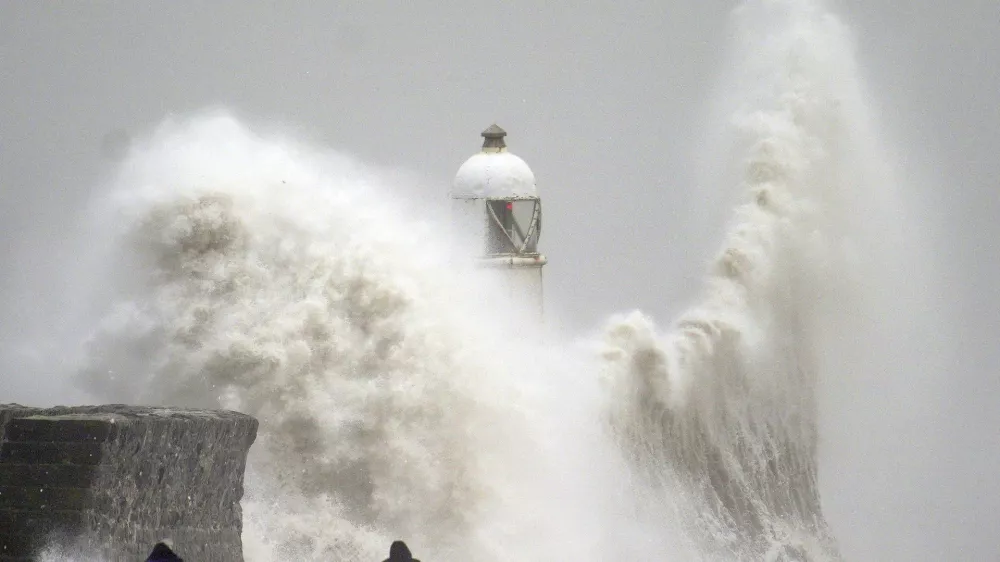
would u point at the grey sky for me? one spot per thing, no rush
(606, 100)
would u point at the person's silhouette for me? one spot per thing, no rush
(399, 552)
(162, 553)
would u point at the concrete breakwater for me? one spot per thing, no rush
(110, 481)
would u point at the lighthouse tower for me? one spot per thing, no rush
(495, 204)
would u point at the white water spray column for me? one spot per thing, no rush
(495, 204)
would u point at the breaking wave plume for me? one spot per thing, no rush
(254, 273)
(719, 415)
(264, 277)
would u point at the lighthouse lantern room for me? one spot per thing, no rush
(495, 202)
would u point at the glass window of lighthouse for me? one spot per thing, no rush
(513, 226)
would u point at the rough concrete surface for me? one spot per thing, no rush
(111, 481)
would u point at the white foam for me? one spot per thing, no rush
(258, 274)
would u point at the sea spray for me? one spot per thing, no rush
(264, 277)
(724, 405)
(263, 283)
(251, 272)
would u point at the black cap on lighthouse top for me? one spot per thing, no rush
(493, 137)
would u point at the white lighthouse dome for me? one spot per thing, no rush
(494, 172)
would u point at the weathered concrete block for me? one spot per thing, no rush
(114, 480)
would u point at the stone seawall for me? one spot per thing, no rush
(111, 481)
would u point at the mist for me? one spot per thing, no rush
(615, 108)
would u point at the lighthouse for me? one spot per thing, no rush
(495, 204)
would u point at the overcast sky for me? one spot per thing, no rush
(606, 100)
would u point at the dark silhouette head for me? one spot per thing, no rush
(162, 553)
(399, 552)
